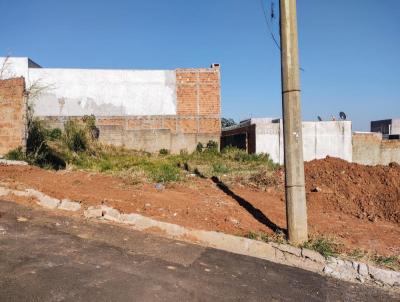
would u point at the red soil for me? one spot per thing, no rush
(371, 192)
(358, 205)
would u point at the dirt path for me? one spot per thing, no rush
(204, 204)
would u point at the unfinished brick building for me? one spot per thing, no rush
(139, 109)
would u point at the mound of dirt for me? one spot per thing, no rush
(367, 192)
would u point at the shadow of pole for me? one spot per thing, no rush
(256, 213)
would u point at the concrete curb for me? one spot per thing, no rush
(9, 162)
(43, 199)
(279, 253)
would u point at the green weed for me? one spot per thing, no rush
(164, 173)
(163, 151)
(326, 247)
(392, 262)
(199, 147)
(356, 254)
(16, 154)
(220, 168)
(75, 136)
(76, 146)
(212, 146)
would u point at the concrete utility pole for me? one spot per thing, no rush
(296, 208)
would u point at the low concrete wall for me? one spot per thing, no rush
(147, 133)
(370, 149)
(320, 139)
(331, 138)
(152, 140)
(390, 152)
(269, 140)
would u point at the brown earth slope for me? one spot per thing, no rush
(367, 192)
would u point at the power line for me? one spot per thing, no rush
(269, 26)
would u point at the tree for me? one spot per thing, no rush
(5, 72)
(227, 122)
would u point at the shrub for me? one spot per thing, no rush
(54, 134)
(234, 153)
(90, 125)
(212, 146)
(164, 173)
(89, 120)
(164, 151)
(220, 168)
(240, 155)
(227, 122)
(50, 159)
(16, 154)
(37, 134)
(105, 166)
(38, 151)
(75, 136)
(199, 147)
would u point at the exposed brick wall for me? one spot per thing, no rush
(198, 106)
(198, 97)
(12, 114)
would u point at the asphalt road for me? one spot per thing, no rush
(49, 257)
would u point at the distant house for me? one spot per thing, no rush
(390, 128)
(265, 135)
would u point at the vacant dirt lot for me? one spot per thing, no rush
(357, 205)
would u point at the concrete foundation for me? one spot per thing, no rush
(142, 137)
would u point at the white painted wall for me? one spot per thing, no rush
(102, 92)
(76, 92)
(320, 139)
(395, 127)
(14, 67)
(268, 140)
(333, 138)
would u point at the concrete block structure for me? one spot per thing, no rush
(386, 127)
(140, 109)
(370, 149)
(265, 135)
(12, 114)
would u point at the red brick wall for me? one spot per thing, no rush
(12, 114)
(198, 98)
(198, 106)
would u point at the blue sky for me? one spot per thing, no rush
(349, 49)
